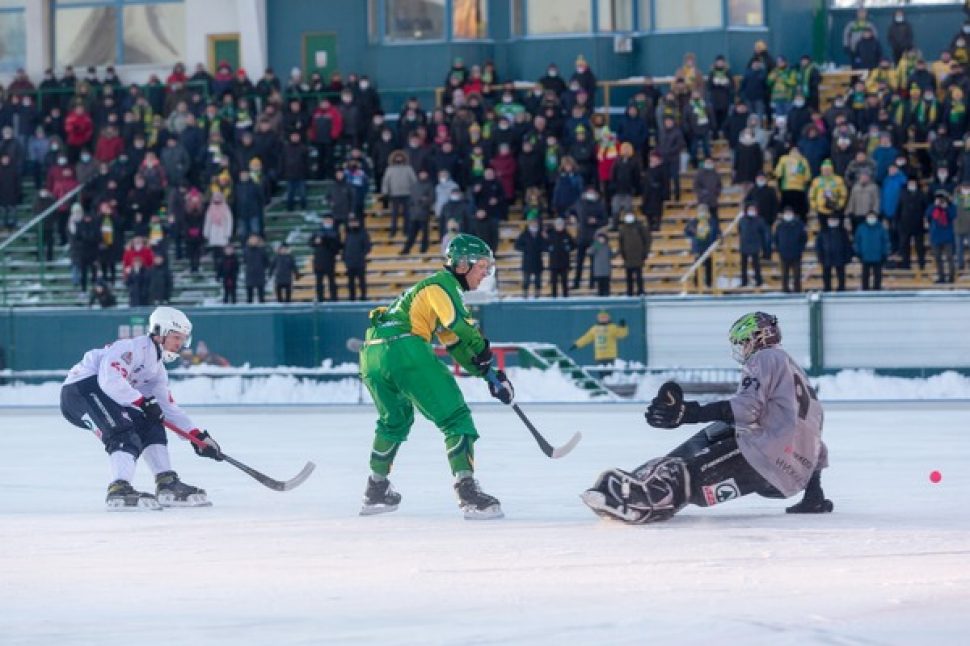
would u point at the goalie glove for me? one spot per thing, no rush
(208, 447)
(669, 410)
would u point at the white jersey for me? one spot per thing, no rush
(128, 370)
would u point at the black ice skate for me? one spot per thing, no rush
(172, 492)
(474, 503)
(379, 498)
(814, 501)
(123, 497)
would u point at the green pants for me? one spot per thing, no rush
(402, 374)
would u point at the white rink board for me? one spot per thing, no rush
(693, 333)
(890, 566)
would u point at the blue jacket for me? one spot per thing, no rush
(884, 158)
(790, 239)
(632, 130)
(871, 242)
(698, 243)
(815, 151)
(941, 232)
(892, 188)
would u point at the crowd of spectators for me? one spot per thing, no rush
(186, 168)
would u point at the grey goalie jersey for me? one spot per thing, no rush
(779, 421)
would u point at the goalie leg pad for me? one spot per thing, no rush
(654, 492)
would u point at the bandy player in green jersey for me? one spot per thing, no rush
(766, 439)
(400, 369)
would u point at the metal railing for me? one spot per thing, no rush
(36, 221)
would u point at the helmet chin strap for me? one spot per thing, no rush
(462, 278)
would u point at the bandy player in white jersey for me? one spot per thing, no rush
(121, 393)
(766, 439)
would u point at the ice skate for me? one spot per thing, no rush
(811, 506)
(123, 497)
(474, 503)
(172, 492)
(379, 497)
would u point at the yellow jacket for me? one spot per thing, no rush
(604, 338)
(793, 172)
(831, 187)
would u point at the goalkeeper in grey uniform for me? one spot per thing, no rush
(766, 439)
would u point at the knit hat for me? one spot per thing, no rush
(603, 317)
(827, 164)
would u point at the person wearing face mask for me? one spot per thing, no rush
(790, 240)
(590, 214)
(531, 243)
(868, 51)
(585, 77)
(749, 160)
(854, 31)
(707, 186)
(834, 250)
(755, 241)
(941, 215)
(552, 80)
(961, 223)
(871, 245)
(900, 35)
(942, 182)
(911, 224)
(863, 200)
(827, 194)
(559, 244)
(809, 79)
(635, 240)
(961, 38)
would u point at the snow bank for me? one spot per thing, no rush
(339, 385)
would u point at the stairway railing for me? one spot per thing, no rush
(716, 247)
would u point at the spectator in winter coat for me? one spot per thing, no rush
(590, 215)
(827, 194)
(484, 227)
(755, 241)
(559, 244)
(357, 245)
(10, 191)
(911, 224)
(868, 52)
(217, 229)
(863, 200)
(340, 196)
(749, 160)
(504, 165)
(601, 257)
(326, 244)
(135, 249)
(815, 148)
(635, 242)
(102, 295)
(655, 191)
(871, 245)
(420, 204)
(834, 251)
(900, 35)
(633, 129)
(250, 201)
(442, 194)
(284, 273)
(940, 215)
(531, 243)
(397, 185)
(790, 241)
(794, 175)
(86, 239)
(707, 186)
(228, 273)
(702, 231)
(765, 199)
(568, 187)
(79, 131)
(159, 282)
(295, 170)
(892, 189)
(670, 144)
(257, 265)
(754, 88)
(136, 280)
(626, 177)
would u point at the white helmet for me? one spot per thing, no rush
(168, 319)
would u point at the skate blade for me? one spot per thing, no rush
(143, 504)
(374, 510)
(192, 500)
(489, 513)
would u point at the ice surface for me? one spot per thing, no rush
(890, 566)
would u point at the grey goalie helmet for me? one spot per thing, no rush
(752, 332)
(168, 319)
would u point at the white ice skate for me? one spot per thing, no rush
(172, 492)
(123, 497)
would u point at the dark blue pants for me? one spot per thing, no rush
(120, 428)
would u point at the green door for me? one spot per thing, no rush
(224, 47)
(320, 53)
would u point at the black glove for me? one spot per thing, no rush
(150, 409)
(483, 360)
(500, 387)
(209, 447)
(669, 410)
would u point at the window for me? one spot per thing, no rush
(615, 15)
(645, 19)
(559, 16)
(688, 14)
(855, 4)
(746, 13)
(13, 35)
(132, 32)
(469, 19)
(414, 20)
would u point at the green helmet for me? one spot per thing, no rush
(752, 332)
(469, 249)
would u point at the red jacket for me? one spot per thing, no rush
(79, 129)
(145, 253)
(336, 122)
(109, 148)
(505, 167)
